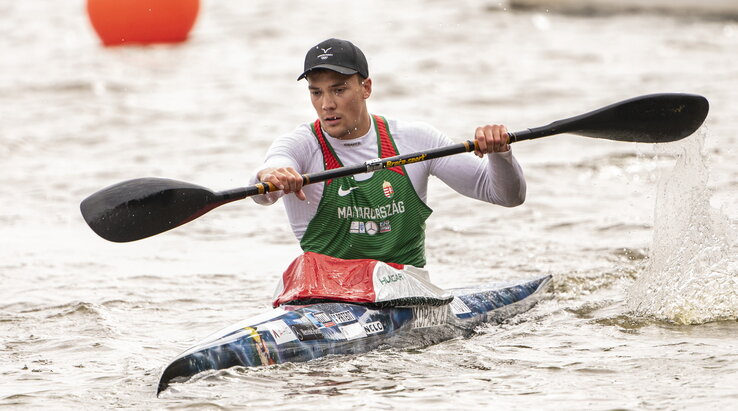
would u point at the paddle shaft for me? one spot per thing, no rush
(367, 167)
(240, 193)
(379, 164)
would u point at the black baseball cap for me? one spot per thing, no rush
(337, 55)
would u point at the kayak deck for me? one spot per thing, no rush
(298, 333)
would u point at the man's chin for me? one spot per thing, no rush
(338, 132)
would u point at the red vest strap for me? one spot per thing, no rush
(386, 148)
(329, 160)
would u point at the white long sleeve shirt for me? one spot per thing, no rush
(496, 179)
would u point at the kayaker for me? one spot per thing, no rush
(378, 216)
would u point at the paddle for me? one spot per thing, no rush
(143, 207)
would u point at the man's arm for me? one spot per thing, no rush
(285, 157)
(498, 180)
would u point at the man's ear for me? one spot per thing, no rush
(366, 86)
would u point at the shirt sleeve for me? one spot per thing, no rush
(286, 151)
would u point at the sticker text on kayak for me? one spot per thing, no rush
(281, 332)
(343, 317)
(429, 316)
(375, 327)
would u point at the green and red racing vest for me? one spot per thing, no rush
(380, 218)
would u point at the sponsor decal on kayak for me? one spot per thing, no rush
(352, 331)
(281, 332)
(260, 346)
(249, 322)
(371, 213)
(374, 327)
(387, 189)
(306, 331)
(458, 306)
(429, 316)
(343, 317)
(320, 319)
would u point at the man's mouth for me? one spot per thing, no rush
(332, 119)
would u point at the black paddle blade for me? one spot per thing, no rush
(653, 118)
(143, 207)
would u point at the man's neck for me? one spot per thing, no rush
(359, 131)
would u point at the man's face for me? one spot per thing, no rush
(340, 102)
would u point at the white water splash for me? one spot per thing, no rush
(692, 276)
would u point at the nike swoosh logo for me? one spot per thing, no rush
(343, 193)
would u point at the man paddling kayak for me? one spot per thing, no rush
(382, 215)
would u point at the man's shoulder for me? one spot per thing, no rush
(416, 133)
(410, 126)
(301, 132)
(297, 143)
(299, 139)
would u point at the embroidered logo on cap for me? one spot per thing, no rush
(325, 54)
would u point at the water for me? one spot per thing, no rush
(640, 240)
(692, 276)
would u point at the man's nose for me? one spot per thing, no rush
(328, 102)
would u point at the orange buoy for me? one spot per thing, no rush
(142, 21)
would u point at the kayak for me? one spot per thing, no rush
(299, 333)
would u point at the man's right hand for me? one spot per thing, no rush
(285, 179)
(491, 139)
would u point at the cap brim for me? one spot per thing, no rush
(339, 69)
